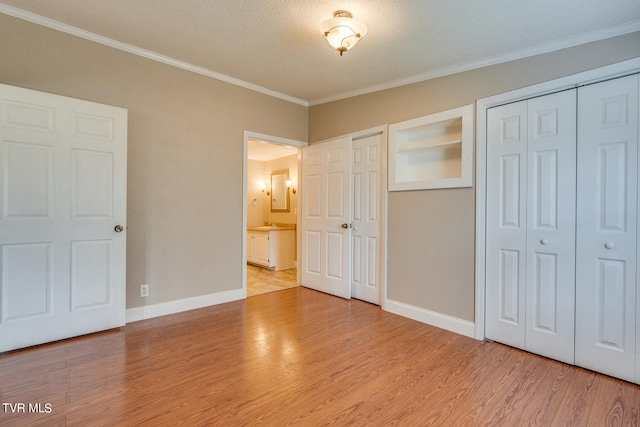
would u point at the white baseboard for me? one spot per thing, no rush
(177, 306)
(439, 320)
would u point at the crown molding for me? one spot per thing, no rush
(589, 37)
(65, 28)
(593, 36)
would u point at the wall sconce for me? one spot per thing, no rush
(263, 187)
(290, 186)
(342, 32)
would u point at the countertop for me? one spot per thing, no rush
(271, 227)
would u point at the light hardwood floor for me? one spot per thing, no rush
(261, 280)
(300, 357)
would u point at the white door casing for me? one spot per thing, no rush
(606, 300)
(63, 183)
(326, 212)
(367, 216)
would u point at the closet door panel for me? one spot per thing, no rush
(506, 224)
(551, 189)
(607, 227)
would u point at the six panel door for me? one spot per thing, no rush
(366, 247)
(63, 192)
(326, 210)
(531, 225)
(562, 181)
(606, 300)
(506, 224)
(551, 213)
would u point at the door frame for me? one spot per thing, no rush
(277, 141)
(619, 69)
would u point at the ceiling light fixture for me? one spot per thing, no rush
(342, 32)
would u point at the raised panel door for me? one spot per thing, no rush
(606, 282)
(63, 171)
(550, 240)
(366, 217)
(531, 225)
(506, 224)
(326, 211)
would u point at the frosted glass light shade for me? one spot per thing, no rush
(342, 32)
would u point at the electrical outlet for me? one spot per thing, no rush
(144, 290)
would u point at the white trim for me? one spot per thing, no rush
(603, 73)
(245, 155)
(87, 35)
(439, 320)
(273, 139)
(577, 40)
(177, 306)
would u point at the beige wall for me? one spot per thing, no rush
(291, 163)
(431, 234)
(186, 147)
(259, 212)
(185, 152)
(257, 201)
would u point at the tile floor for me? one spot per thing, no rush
(261, 280)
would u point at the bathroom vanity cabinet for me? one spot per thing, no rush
(273, 247)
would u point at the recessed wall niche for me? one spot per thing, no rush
(434, 151)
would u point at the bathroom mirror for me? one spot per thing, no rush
(279, 192)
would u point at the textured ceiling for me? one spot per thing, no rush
(276, 44)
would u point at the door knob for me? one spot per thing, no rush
(118, 228)
(609, 245)
(543, 241)
(345, 225)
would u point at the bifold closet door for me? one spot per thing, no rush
(551, 226)
(606, 299)
(506, 224)
(531, 225)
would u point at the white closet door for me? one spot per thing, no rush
(506, 224)
(531, 225)
(366, 247)
(607, 212)
(551, 210)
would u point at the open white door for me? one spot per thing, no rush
(326, 213)
(62, 217)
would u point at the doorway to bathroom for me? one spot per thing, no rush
(271, 212)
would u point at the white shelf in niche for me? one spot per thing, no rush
(434, 151)
(421, 146)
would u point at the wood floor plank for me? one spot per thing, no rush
(548, 395)
(300, 357)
